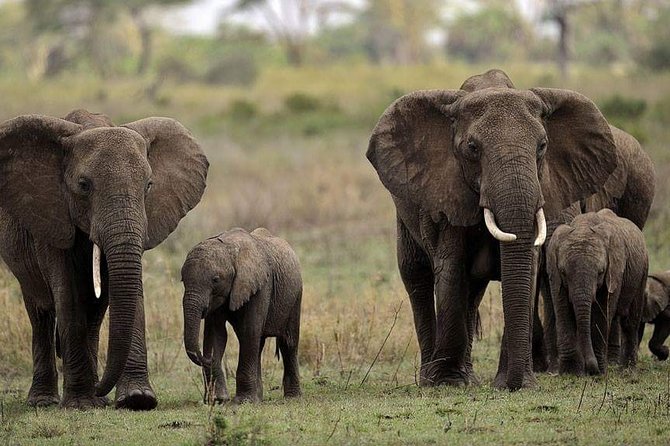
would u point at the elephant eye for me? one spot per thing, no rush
(541, 148)
(148, 186)
(216, 279)
(84, 185)
(472, 151)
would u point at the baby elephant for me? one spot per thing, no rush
(251, 280)
(597, 269)
(657, 312)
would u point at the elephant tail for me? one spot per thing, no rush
(478, 326)
(277, 354)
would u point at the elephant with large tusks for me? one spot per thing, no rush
(480, 177)
(81, 201)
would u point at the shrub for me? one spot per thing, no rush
(301, 103)
(242, 109)
(621, 107)
(236, 68)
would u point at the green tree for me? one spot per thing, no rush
(492, 33)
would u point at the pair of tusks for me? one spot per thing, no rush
(503, 236)
(97, 283)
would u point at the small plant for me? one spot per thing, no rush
(221, 432)
(237, 68)
(621, 107)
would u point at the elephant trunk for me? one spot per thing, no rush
(513, 194)
(193, 311)
(581, 300)
(121, 242)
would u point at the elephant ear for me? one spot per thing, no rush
(179, 176)
(32, 153)
(552, 256)
(616, 261)
(656, 297)
(412, 150)
(581, 152)
(252, 273)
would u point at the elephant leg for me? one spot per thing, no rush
(549, 325)
(96, 309)
(259, 377)
(614, 342)
(248, 365)
(78, 373)
(288, 346)
(448, 364)
(661, 333)
(539, 350)
(570, 359)
(214, 346)
(477, 290)
(133, 390)
(44, 389)
(417, 276)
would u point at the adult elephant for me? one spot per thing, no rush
(81, 201)
(475, 175)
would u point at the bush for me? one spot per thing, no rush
(625, 113)
(619, 107)
(241, 109)
(301, 103)
(233, 69)
(661, 110)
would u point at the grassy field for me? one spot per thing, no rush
(288, 154)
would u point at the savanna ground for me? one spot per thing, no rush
(288, 154)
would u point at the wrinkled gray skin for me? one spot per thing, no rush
(597, 268)
(445, 155)
(657, 312)
(252, 281)
(65, 185)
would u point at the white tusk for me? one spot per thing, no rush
(97, 286)
(541, 228)
(493, 228)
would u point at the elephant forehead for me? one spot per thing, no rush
(111, 139)
(501, 102)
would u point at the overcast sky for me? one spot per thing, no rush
(203, 16)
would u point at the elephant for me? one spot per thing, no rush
(252, 281)
(597, 268)
(657, 311)
(480, 177)
(82, 200)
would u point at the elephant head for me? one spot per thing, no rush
(222, 272)
(125, 187)
(582, 259)
(656, 295)
(511, 157)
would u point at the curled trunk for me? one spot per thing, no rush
(192, 316)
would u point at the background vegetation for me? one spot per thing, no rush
(284, 113)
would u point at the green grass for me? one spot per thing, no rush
(303, 175)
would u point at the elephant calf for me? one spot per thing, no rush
(657, 311)
(253, 281)
(598, 258)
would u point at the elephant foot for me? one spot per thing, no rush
(529, 380)
(135, 394)
(219, 396)
(246, 398)
(661, 352)
(42, 399)
(456, 378)
(292, 393)
(84, 402)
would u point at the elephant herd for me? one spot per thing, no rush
(532, 188)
